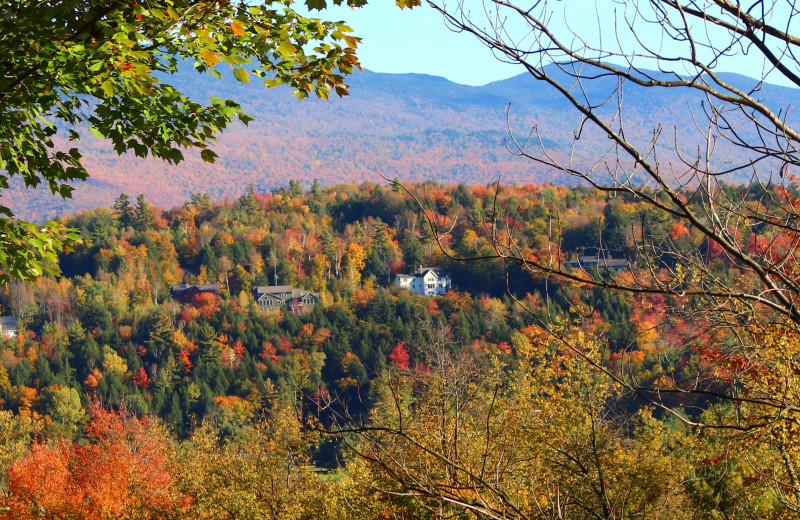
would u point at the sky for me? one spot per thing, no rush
(417, 40)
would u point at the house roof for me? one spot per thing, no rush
(592, 261)
(277, 290)
(422, 271)
(436, 270)
(273, 289)
(437, 274)
(199, 287)
(9, 322)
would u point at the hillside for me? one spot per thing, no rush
(409, 126)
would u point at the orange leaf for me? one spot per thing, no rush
(209, 57)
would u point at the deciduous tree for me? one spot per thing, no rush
(718, 184)
(102, 67)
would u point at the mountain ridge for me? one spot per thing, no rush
(408, 126)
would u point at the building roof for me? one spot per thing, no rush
(273, 289)
(601, 261)
(199, 286)
(9, 322)
(282, 289)
(438, 271)
(422, 271)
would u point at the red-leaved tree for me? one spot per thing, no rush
(123, 472)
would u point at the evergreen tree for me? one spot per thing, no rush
(123, 210)
(86, 352)
(295, 190)
(316, 190)
(158, 331)
(142, 216)
(315, 202)
(248, 203)
(412, 251)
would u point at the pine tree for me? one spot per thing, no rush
(248, 202)
(159, 335)
(142, 217)
(295, 190)
(123, 210)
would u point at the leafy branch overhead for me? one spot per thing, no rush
(104, 65)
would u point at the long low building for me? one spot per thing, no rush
(185, 292)
(599, 262)
(277, 296)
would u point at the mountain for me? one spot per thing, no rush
(409, 126)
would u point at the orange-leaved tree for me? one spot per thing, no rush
(122, 472)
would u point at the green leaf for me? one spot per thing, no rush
(272, 82)
(316, 4)
(208, 155)
(245, 118)
(108, 88)
(241, 75)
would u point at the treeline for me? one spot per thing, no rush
(107, 341)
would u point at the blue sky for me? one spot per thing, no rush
(417, 40)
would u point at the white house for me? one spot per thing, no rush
(427, 281)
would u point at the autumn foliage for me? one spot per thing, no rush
(121, 472)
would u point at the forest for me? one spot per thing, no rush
(514, 395)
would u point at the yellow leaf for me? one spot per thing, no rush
(209, 57)
(286, 48)
(205, 36)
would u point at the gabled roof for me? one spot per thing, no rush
(273, 289)
(438, 271)
(278, 292)
(432, 271)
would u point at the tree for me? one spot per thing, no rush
(142, 216)
(122, 207)
(355, 256)
(257, 469)
(527, 437)
(158, 330)
(103, 66)
(716, 228)
(676, 181)
(123, 472)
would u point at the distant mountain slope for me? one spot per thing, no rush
(408, 126)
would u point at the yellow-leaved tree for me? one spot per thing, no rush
(539, 435)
